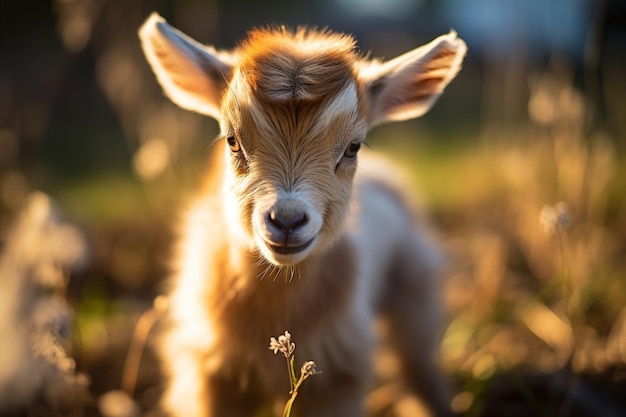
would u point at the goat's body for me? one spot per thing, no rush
(287, 236)
(226, 302)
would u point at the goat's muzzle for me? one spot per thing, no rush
(288, 228)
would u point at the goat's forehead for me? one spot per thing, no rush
(307, 65)
(296, 87)
(331, 120)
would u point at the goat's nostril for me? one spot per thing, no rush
(288, 221)
(301, 221)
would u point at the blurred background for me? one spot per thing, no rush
(521, 168)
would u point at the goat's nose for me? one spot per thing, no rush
(288, 220)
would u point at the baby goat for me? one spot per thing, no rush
(287, 234)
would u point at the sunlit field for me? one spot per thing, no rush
(533, 222)
(519, 172)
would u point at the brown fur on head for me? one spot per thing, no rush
(295, 108)
(281, 65)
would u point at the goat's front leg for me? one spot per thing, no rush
(414, 312)
(194, 392)
(187, 389)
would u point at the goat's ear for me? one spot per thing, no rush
(192, 75)
(407, 86)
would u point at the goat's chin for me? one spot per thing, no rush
(285, 256)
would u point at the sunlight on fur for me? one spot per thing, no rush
(266, 244)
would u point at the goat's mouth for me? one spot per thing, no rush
(289, 249)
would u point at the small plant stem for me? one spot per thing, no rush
(291, 372)
(284, 344)
(288, 405)
(294, 394)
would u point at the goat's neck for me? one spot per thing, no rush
(284, 296)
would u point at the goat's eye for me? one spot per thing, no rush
(233, 144)
(352, 150)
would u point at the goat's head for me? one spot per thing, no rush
(294, 109)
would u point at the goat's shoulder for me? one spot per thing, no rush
(385, 223)
(383, 192)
